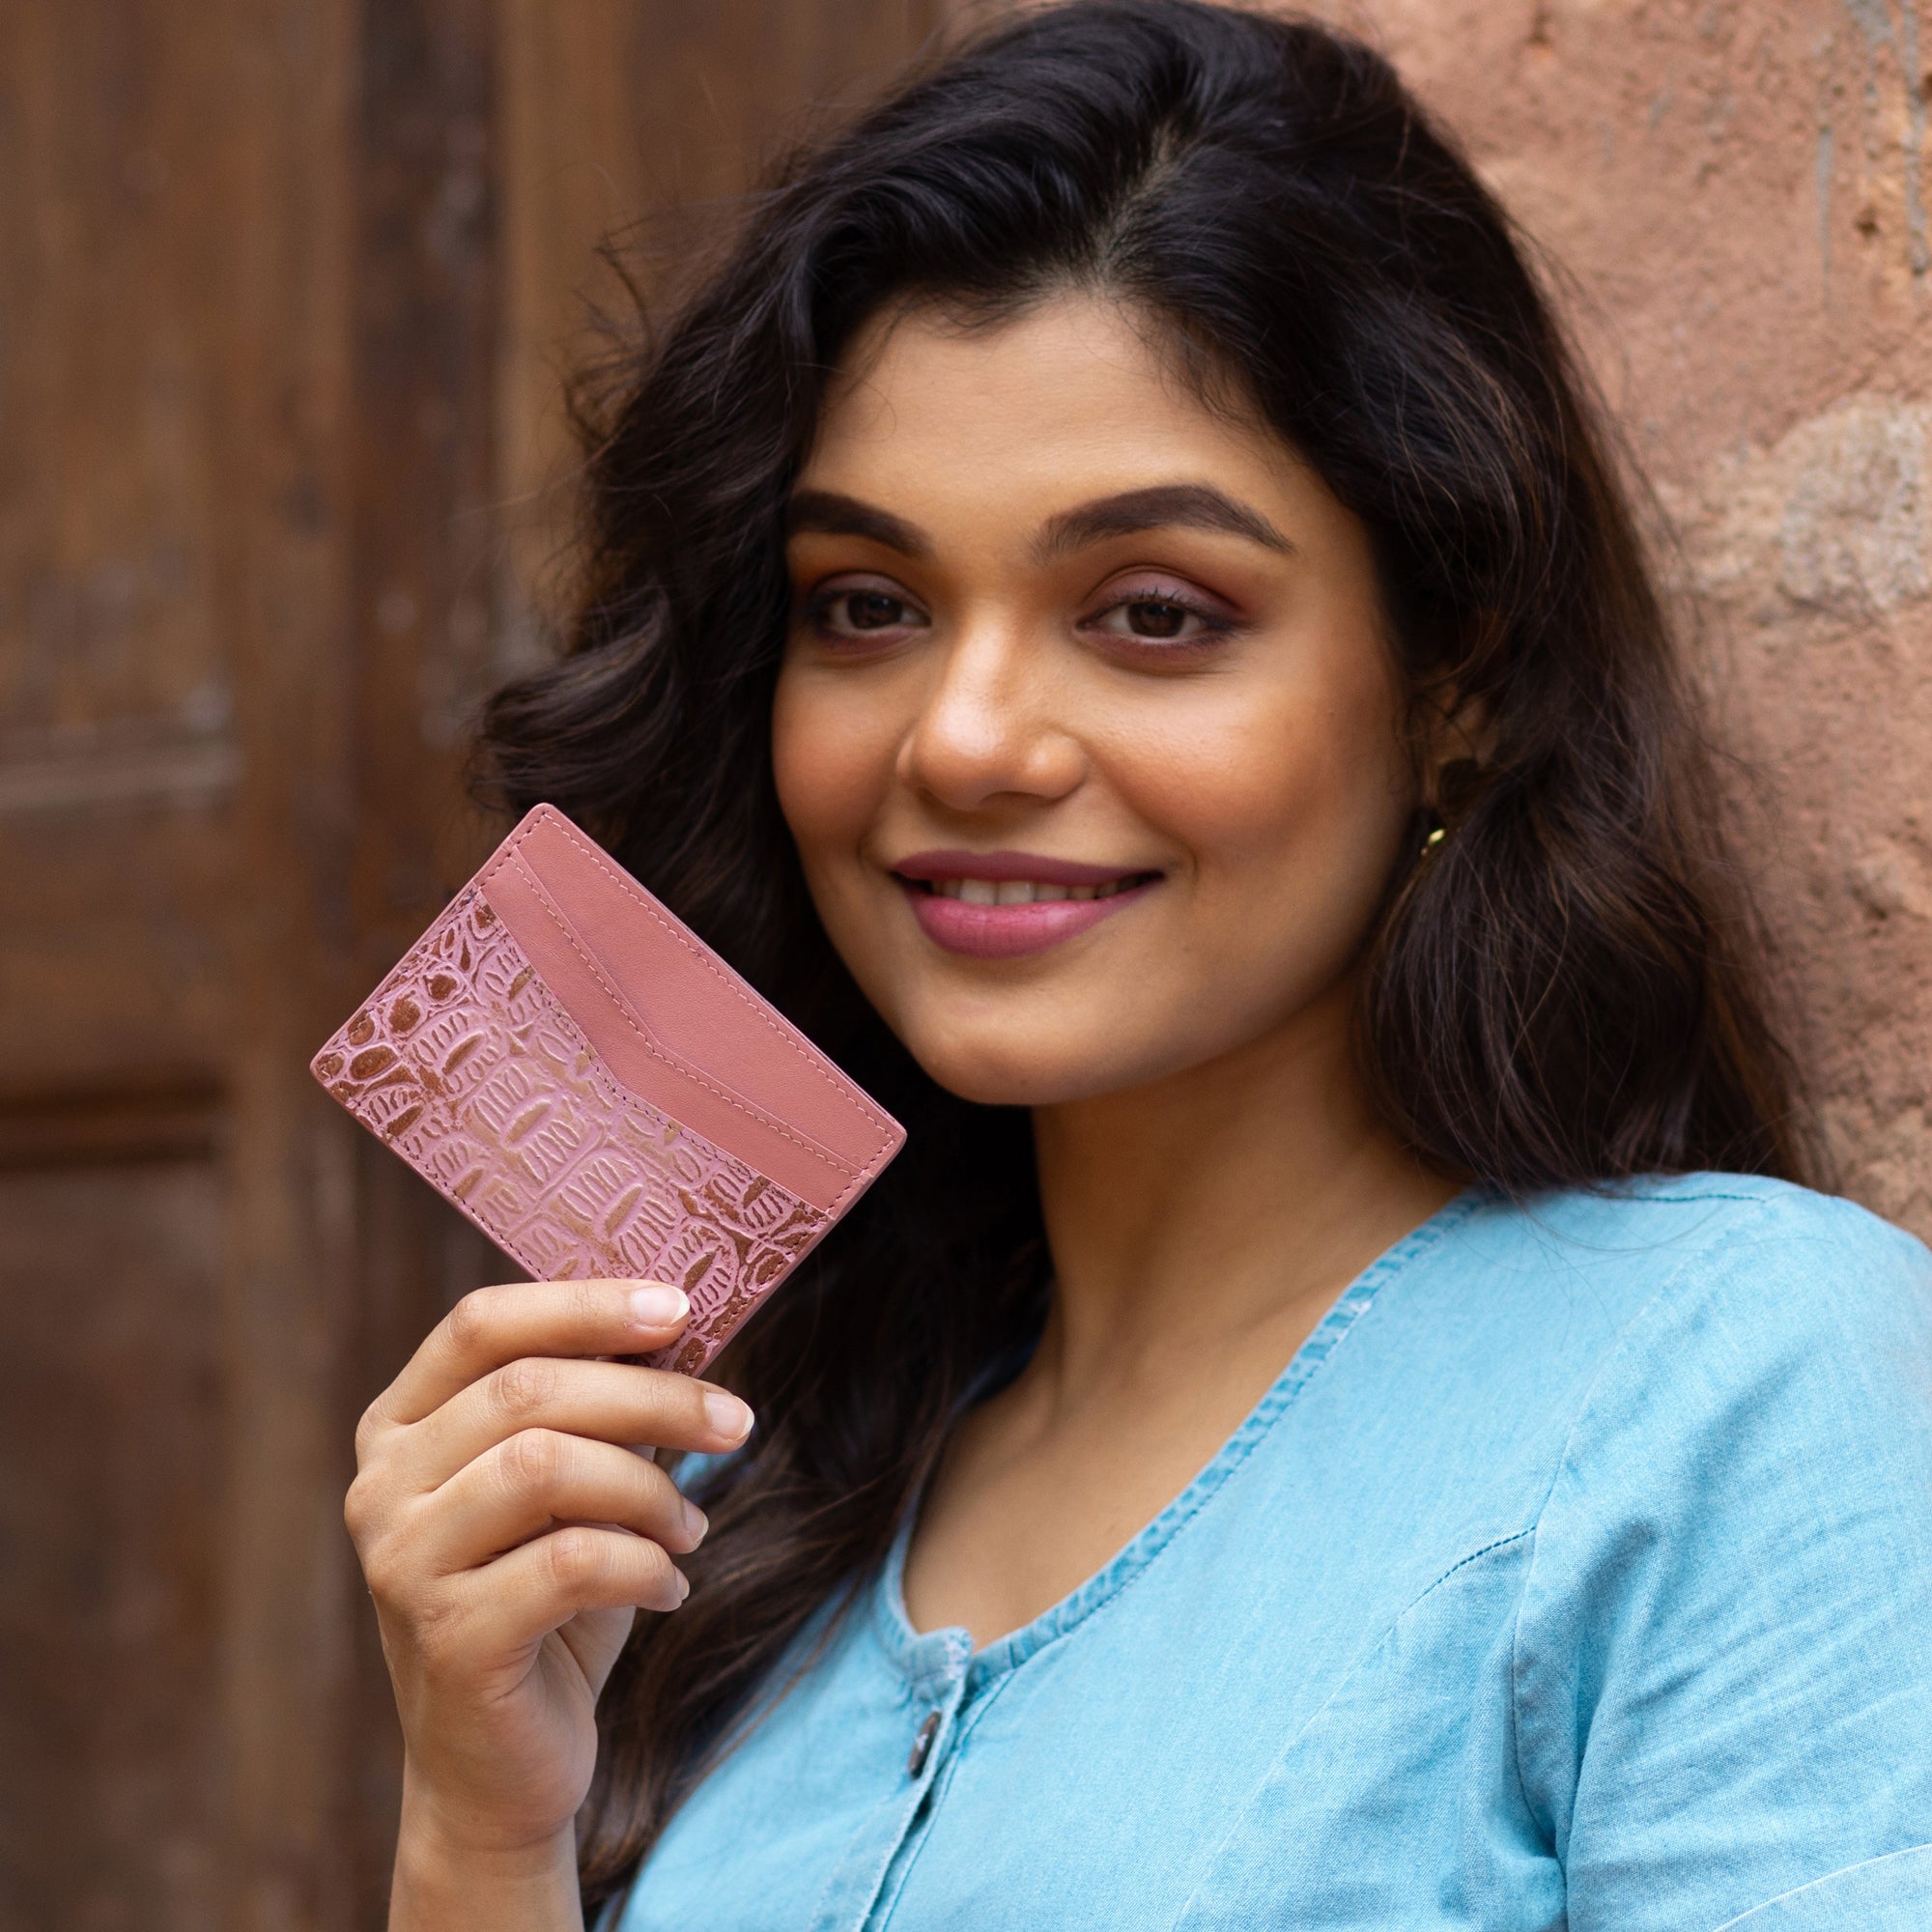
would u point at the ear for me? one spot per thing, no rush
(1456, 742)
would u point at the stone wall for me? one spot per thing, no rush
(1732, 194)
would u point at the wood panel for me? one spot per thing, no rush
(110, 1674)
(284, 290)
(638, 126)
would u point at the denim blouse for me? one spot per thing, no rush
(1576, 1572)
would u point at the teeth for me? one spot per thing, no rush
(1022, 892)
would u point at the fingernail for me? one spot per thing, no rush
(683, 1584)
(656, 1306)
(695, 1522)
(726, 1414)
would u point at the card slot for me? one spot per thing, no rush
(628, 1015)
(698, 1007)
(635, 1059)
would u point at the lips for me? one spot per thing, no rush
(998, 905)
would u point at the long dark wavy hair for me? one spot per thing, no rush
(1562, 992)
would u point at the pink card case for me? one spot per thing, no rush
(601, 1093)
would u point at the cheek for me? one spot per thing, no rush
(1292, 805)
(832, 763)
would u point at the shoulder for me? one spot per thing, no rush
(1654, 1332)
(1595, 1321)
(1727, 1615)
(1749, 1210)
(1773, 1259)
(1753, 1323)
(1636, 1286)
(1760, 1257)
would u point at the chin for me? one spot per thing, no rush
(1002, 1070)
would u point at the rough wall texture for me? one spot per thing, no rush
(1735, 191)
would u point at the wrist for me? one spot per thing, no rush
(450, 1877)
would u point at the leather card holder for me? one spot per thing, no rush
(567, 1061)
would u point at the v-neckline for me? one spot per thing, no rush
(919, 1653)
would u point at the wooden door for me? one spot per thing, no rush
(285, 288)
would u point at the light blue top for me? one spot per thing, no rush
(1577, 1570)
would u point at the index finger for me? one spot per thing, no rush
(492, 1326)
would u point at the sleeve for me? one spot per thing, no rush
(1723, 1656)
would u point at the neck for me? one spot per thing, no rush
(1224, 1207)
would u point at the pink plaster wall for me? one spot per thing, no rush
(1736, 192)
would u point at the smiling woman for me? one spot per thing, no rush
(1111, 607)
(1093, 601)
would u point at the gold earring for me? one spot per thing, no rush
(1435, 838)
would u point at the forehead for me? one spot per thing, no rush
(1074, 387)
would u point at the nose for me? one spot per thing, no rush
(991, 727)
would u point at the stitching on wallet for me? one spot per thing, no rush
(505, 1232)
(617, 1095)
(618, 878)
(706, 1331)
(824, 1157)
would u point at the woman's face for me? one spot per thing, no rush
(1086, 729)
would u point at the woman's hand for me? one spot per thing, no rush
(509, 1532)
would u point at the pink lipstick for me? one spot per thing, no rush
(998, 905)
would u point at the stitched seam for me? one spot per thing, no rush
(1827, 1878)
(657, 1053)
(1474, 1556)
(1610, 1362)
(856, 1184)
(1414, 1603)
(1350, 1674)
(632, 891)
(1691, 1200)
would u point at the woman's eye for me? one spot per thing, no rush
(861, 610)
(1158, 619)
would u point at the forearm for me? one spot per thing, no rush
(444, 1885)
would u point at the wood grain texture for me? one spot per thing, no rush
(111, 1758)
(284, 286)
(636, 128)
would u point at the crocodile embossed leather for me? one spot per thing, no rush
(601, 1093)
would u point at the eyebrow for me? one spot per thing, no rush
(829, 514)
(1192, 507)
(1187, 507)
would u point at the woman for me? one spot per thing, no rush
(1111, 607)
